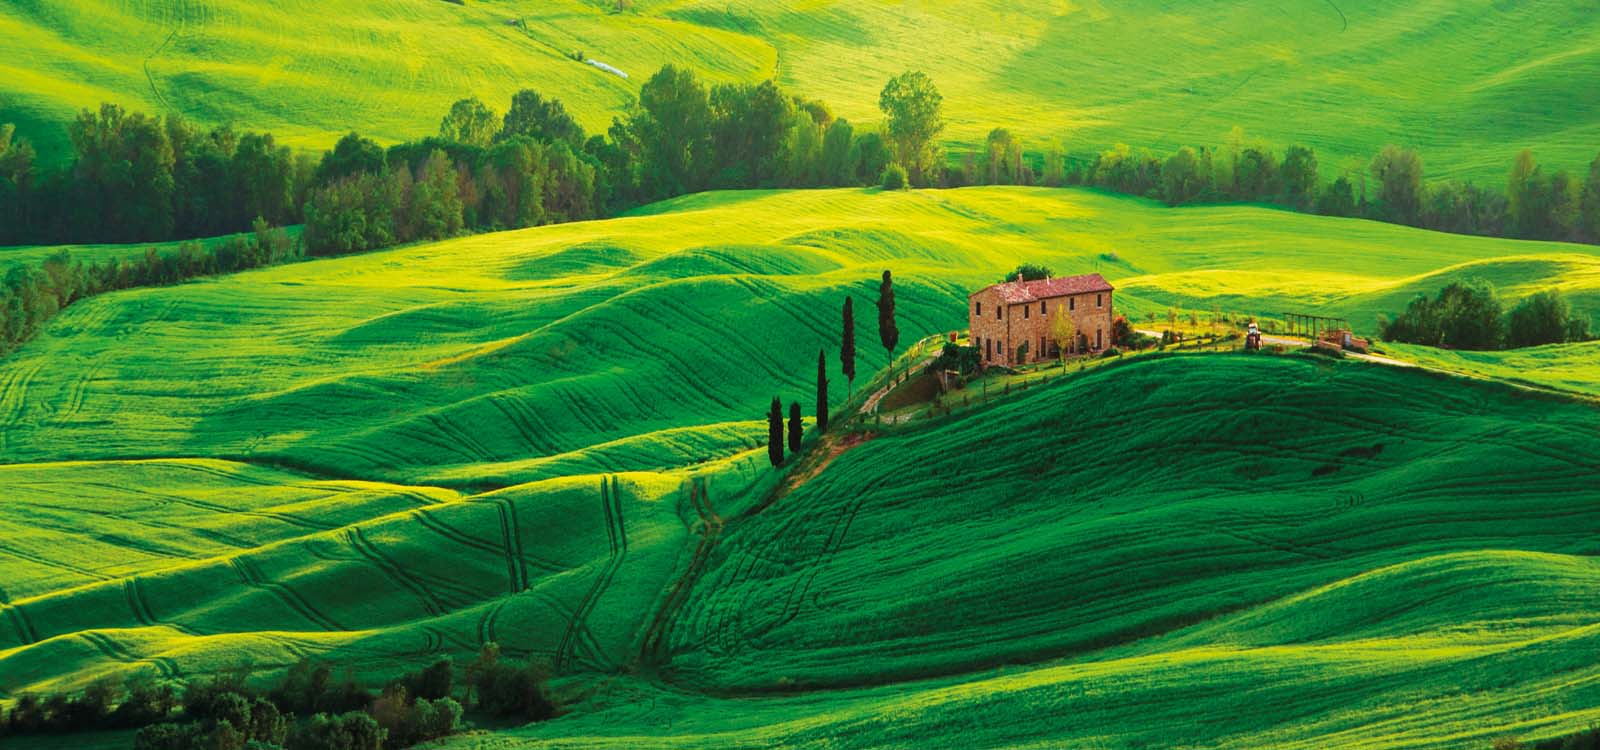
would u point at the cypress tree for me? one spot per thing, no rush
(847, 344)
(888, 334)
(822, 391)
(796, 427)
(775, 432)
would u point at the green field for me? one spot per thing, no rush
(1467, 83)
(382, 457)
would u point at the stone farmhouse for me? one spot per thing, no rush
(1006, 315)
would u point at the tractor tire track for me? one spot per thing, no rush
(25, 629)
(617, 537)
(516, 569)
(653, 648)
(136, 603)
(426, 520)
(250, 576)
(111, 649)
(430, 603)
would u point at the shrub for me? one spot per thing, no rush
(169, 737)
(437, 681)
(1543, 318)
(308, 687)
(1464, 315)
(962, 359)
(1111, 351)
(1029, 272)
(351, 731)
(894, 177)
(146, 702)
(437, 718)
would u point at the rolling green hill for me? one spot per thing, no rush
(492, 360)
(382, 457)
(1468, 83)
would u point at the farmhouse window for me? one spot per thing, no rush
(1097, 298)
(980, 308)
(999, 313)
(1025, 312)
(1041, 307)
(1072, 303)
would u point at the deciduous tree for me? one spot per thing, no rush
(1299, 176)
(1399, 175)
(911, 105)
(1588, 209)
(469, 121)
(1064, 332)
(1539, 319)
(541, 119)
(1181, 179)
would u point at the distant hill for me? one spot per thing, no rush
(1467, 83)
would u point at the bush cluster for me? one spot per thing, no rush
(224, 712)
(1468, 315)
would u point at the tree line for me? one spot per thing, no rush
(31, 295)
(224, 712)
(142, 178)
(135, 177)
(1536, 203)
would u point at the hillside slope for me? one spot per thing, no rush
(1468, 83)
(1367, 557)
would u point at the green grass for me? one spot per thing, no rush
(1565, 367)
(1468, 83)
(1132, 576)
(384, 457)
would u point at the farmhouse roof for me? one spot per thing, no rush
(1012, 292)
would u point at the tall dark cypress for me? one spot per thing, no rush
(888, 334)
(775, 432)
(847, 344)
(796, 427)
(822, 391)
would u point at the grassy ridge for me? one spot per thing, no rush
(1468, 83)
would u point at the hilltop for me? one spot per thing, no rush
(1467, 83)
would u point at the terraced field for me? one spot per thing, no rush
(1467, 83)
(549, 438)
